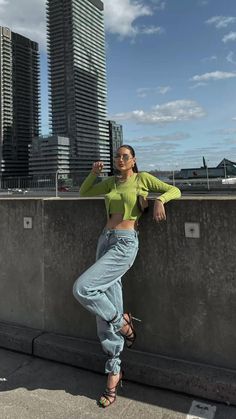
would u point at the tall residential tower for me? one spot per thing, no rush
(116, 140)
(77, 78)
(19, 101)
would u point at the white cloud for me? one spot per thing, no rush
(212, 58)
(230, 37)
(200, 84)
(221, 21)
(176, 136)
(145, 91)
(215, 75)
(159, 4)
(170, 156)
(164, 89)
(121, 15)
(27, 19)
(227, 136)
(225, 131)
(153, 155)
(182, 155)
(3, 3)
(230, 141)
(234, 118)
(230, 57)
(179, 110)
(150, 30)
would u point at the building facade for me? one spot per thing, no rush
(225, 168)
(116, 140)
(77, 78)
(20, 102)
(48, 155)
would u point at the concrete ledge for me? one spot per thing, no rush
(17, 338)
(69, 350)
(196, 379)
(199, 380)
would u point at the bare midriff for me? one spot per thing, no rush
(116, 222)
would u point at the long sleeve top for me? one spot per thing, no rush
(122, 197)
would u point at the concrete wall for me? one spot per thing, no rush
(183, 289)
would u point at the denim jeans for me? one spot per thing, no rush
(99, 289)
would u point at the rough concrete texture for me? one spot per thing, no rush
(69, 350)
(17, 338)
(191, 378)
(40, 389)
(155, 370)
(182, 288)
(21, 261)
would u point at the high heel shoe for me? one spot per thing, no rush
(130, 335)
(109, 395)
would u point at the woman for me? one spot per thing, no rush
(99, 289)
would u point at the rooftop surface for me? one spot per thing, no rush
(32, 388)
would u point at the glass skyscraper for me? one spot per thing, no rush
(77, 79)
(19, 101)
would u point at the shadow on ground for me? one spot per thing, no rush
(71, 392)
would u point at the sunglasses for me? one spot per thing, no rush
(125, 157)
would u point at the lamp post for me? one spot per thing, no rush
(56, 183)
(225, 169)
(173, 173)
(207, 175)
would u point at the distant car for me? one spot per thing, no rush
(63, 189)
(20, 191)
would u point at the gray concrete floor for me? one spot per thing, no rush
(32, 388)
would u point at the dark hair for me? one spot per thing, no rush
(135, 168)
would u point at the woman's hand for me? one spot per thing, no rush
(97, 167)
(159, 213)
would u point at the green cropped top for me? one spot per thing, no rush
(122, 197)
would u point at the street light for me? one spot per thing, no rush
(207, 175)
(56, 183)
(174, 169)
(225, 169)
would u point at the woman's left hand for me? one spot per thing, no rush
(159, 213)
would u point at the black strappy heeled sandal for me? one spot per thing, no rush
(109, 395)
(130, 336)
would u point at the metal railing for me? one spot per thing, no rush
(54, 183)
(51, 183)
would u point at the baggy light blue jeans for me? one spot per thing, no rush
(99, 290)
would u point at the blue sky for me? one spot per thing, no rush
(171, 73)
